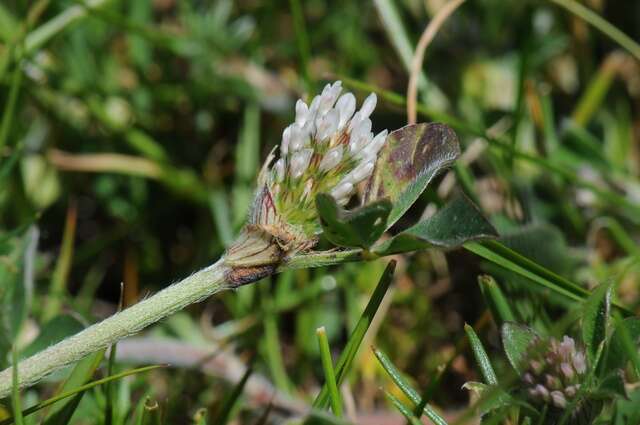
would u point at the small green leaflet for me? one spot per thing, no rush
(360, 227)
(517, 340)
(456, 223)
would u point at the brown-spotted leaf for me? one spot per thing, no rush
(410, 158)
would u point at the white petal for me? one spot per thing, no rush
(355, 121)
(329, 96)
(360, 137)
(298, 138)
(372, 148)
(331, 158)
(327, 124)
(300, 162)
(286, 139)
(278, 167)
(302, 113)
(361, 130)
(361, 172)
(342, 190)
(346, 106)
(368, 105)
(579, 363)
(315, 103)
(364, 128)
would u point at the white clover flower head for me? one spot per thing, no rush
(329, 148)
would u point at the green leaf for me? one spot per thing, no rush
(481, 356)
(355, 339)
(612, 385)
(626, 411)
(456, 223)
(491, 397)
(517, 340)
(410, 158)
(360, 227)
(595, 318)
(52, 332)
(619, 351)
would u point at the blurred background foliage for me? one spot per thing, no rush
(132, 132)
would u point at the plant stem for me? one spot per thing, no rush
(192, 289)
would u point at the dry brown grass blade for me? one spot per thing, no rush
(104, 162)
(416, 64)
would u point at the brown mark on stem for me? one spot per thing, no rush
(240, 276)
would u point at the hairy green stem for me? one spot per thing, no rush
(192, 289)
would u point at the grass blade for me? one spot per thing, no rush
(8, 115)
(62, 412)
(495, 299)
(403, 409)
(78, 390)
(224, 414)
(400, 40)
(511, 260)
(63, 266)
(481, 356)
(151, 413)
(351, 348)
(38, 37)
(406, 388)
(302, 40)
(601, 24)
(329, 374)
(595, 92)
(219, 206)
